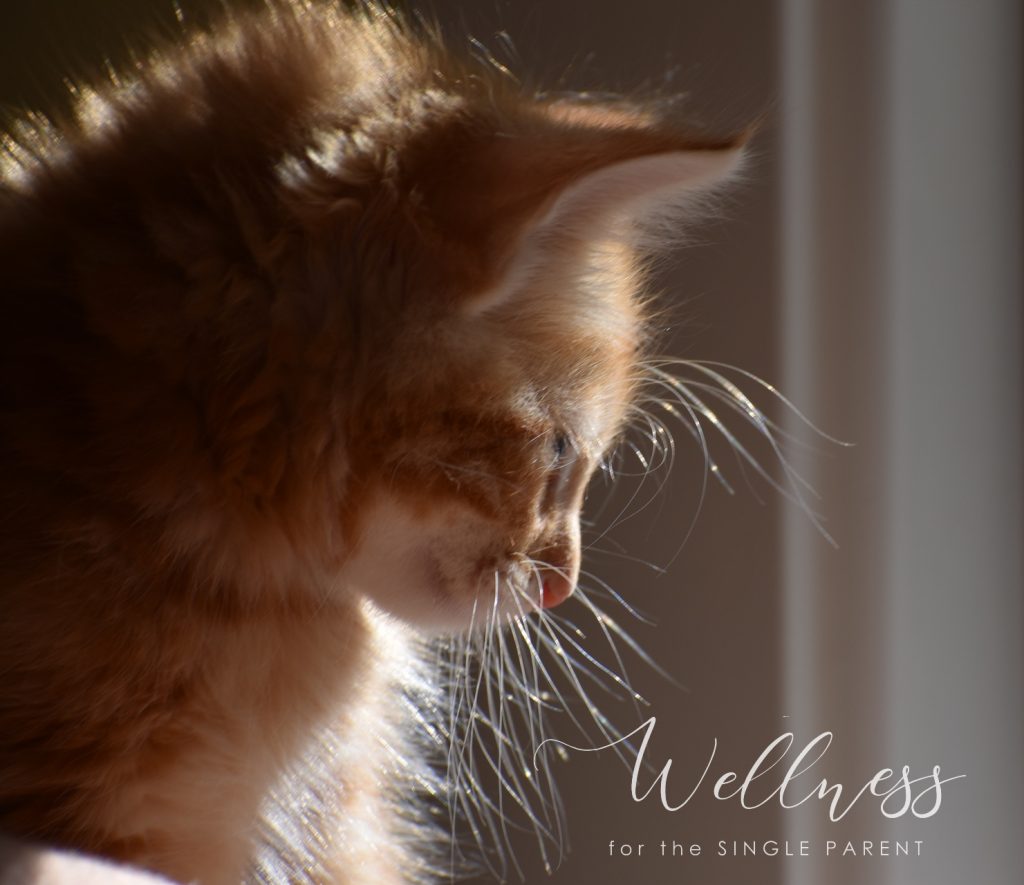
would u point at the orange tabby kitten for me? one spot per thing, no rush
(313, 336)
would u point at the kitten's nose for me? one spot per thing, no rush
(556, 588)
(559, 564)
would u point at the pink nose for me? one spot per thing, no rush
(556, 589)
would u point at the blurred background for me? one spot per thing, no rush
(870, 267)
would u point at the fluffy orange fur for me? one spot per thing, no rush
(311, 329)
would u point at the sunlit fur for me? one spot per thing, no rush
(313, 336)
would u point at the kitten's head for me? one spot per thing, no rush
(368, 313)
(500, 254)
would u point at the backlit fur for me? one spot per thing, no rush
(313, 334)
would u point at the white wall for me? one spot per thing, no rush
(902, 329)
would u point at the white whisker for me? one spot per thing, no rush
(522, 667)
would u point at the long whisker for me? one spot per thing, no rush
(521, 666)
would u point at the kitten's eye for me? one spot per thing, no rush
(563, 448)
(559, 472)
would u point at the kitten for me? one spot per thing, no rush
(314, 334)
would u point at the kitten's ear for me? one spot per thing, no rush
(625, 173)
(578, 174)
